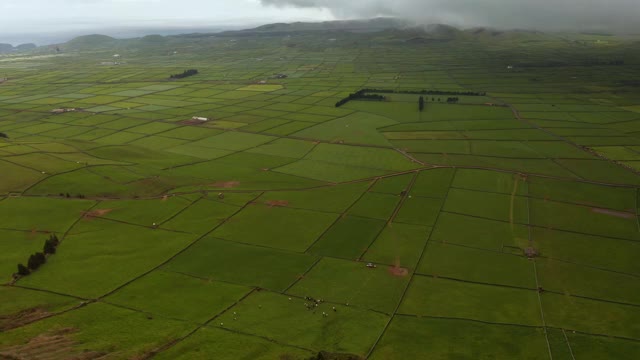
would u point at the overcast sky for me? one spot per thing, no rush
(37, 16)
(55, 16)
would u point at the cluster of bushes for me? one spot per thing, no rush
(360, 95)
(3, 135)
(184, 74)
(452, 100)
(38, 259)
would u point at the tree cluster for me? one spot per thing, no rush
(421, 103)
(184, 74)
(452, 100)
(38, 259)
(3, 135)
(360, 95)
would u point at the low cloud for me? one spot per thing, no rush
(609, 15)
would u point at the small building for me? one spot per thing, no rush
(199, 118)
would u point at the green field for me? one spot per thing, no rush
(503, 226)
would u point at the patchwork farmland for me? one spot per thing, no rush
(238, 213)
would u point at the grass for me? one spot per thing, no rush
(96, 247)
(375, 206)
(373, 158)
(348, 238)
(105, 329)
(590, 316)
(458, 262)
(600, 252)
(226, 261)
(428, 296)
(583, 219)
(335, 199)
(444, 338)
(199, 299)
(572, 279)
(276, 317)
(399, 244)
(494, 206)
(33, 213)
(223, 344)
(279, 227)
(352, 283)
(283, 195)
(419, 211)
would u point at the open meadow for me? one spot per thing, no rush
(238, 213)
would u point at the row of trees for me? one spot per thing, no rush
(560, 63)
(360, 95)
(38, 259)
(422, 102)
(67, 195)
(424, 92)
(184, 74)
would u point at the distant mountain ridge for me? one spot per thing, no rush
(375, 24)
(8, 48)
(377, 29)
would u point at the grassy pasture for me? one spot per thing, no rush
(445, 338)
(41, 214)
(95, 247)
(398, 244)
(435, 297)
(224, 344)
(276, 317)
(199, 299)
(105, 329)
(348, 238)
(352, 283)
(278, 227)
(463, 263)
(226, 261)
(203, 239)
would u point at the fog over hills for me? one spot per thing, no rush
(544, 15)
(54, 21)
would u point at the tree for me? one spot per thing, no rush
(32, 263)
(421, 103)
(49, 247)
(3, 135)
(22, 270)
(36, 260)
